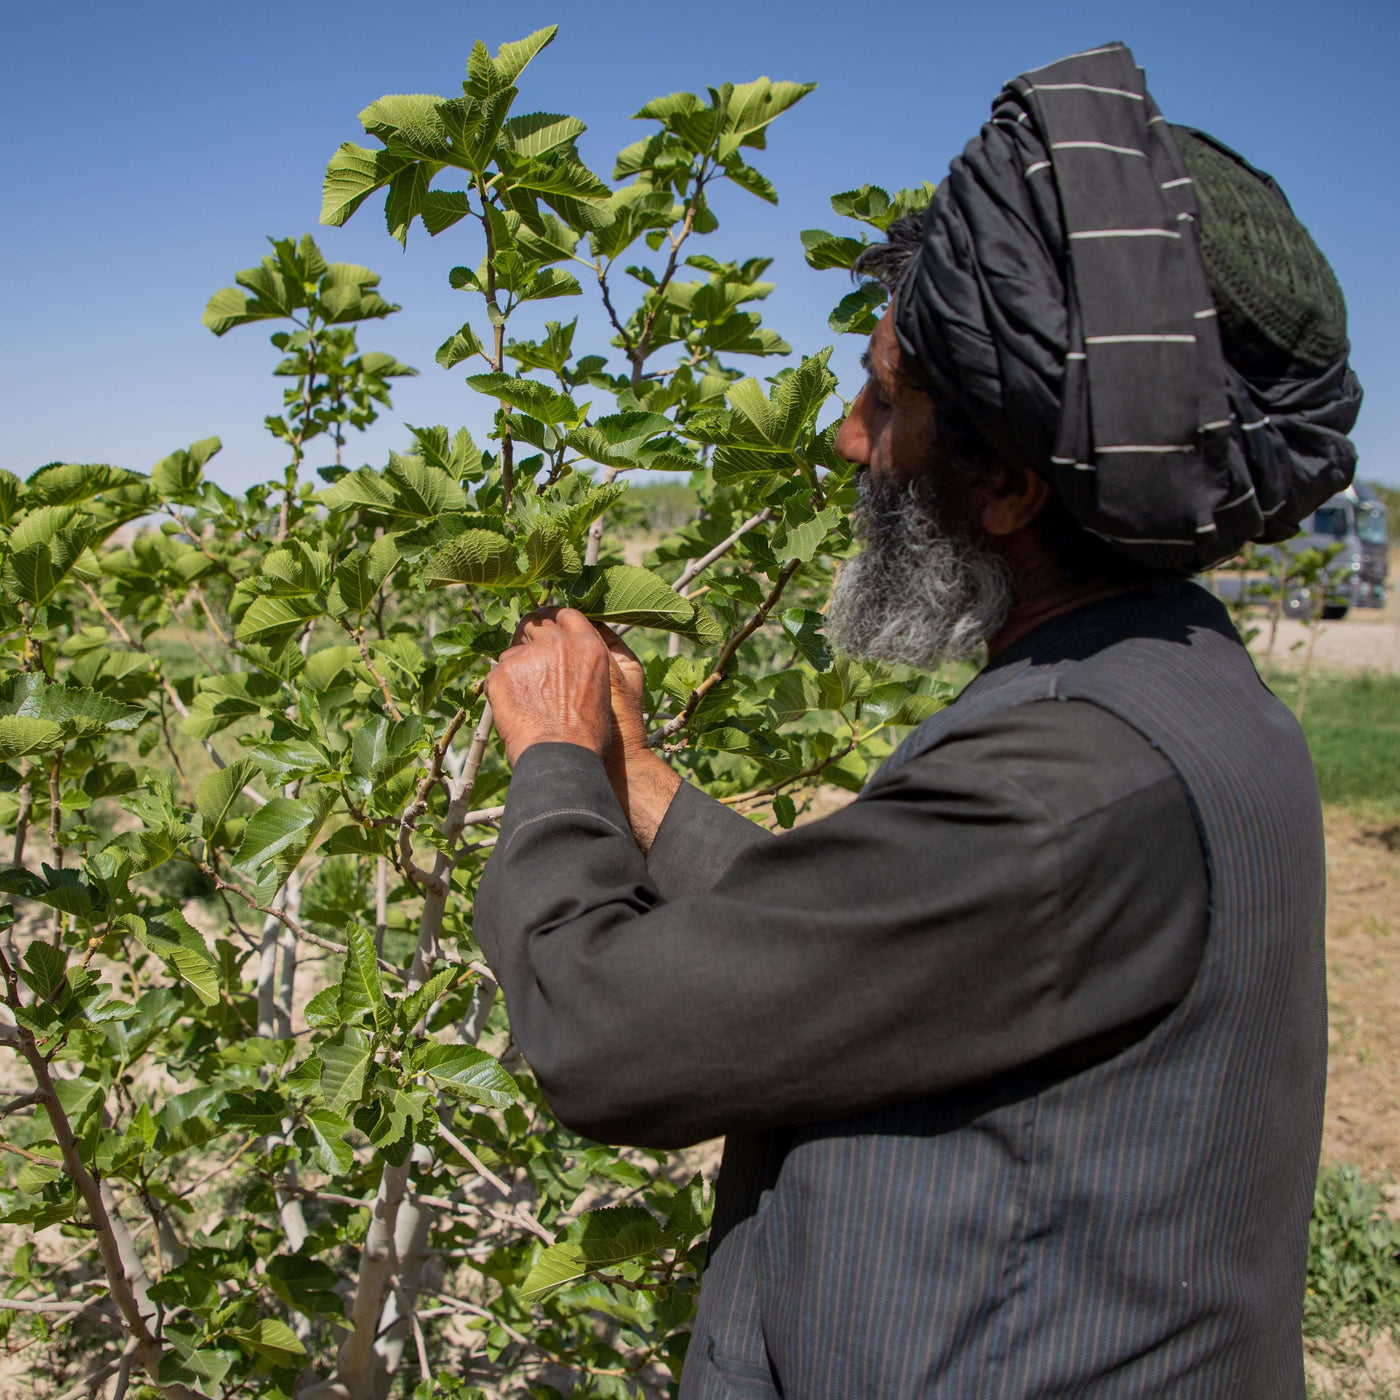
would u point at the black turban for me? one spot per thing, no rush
(1133, 311)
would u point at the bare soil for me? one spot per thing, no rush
(1367, 639)
(1363, 993)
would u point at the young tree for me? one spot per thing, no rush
(267, 1134)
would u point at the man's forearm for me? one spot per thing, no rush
(645, 786)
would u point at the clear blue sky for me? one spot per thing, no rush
(155, 145)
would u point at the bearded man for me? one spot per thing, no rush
(1020, 1057)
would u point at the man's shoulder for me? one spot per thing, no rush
(1075, 757)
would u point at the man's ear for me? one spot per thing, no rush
(1013, 502)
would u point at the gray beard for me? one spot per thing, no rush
(919, 593)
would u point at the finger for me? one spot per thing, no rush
(571, 620)
(616, 646)
(532, 624)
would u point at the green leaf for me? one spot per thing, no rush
(258, 1110)
(44, 968)
(857, 313)
(622, 593)
(270, 1339)
(358, 579)
(747, 178)
(824, 250)
(279, 830)
(20, 736)
(804, 627)
(417, 1004)
(219, 791)
(360, 987)
(537, 132)
(182, 949)
(328, 1132)
(458, 347)
(353, 173)
(595, 1240)
(272, 621)
(305, 1284)
(344, 1059)
(803, 539)
(529, 396)
(470, 1074)
(752, 106)
(512, 58)
(616, 440)
(784, 810)
(476, 557)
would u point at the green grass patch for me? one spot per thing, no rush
(1353, 728)
(1353, 1288)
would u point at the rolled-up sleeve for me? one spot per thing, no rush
(946, 926)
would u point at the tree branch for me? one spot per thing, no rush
(678, 722)
(121, 1286)
(698, 566)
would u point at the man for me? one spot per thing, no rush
(1020, 1057)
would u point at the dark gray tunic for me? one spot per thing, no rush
(1002, 1120)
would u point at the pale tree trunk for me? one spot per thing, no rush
(267, 969)
(411, 1232)
(381, 901)
(359, 1365)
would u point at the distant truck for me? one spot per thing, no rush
(1356, 520)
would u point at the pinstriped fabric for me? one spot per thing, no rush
(1134, 1228)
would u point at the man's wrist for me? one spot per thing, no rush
(651, 784)
(578, 735)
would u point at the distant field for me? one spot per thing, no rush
(1353, 729)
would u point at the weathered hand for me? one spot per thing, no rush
(643, 782)
(553, 685)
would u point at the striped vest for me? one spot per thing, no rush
(1134, 1225)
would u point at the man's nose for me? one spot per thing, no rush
(853, 440)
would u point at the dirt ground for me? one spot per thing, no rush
(1367, 639)
(1363, 992)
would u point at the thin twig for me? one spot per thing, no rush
(698, 566)
(357, 635)
(721, 667)
(520, 1213)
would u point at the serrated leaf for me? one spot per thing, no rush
(417, 1004)
(476, 557)
(20, 736)
(218, 792)
(328, 1131)
(282, 827)
(271, 1339)
(824, 250)
(181, 947)
(78, 713)
(44, 967)
(534, 133)
(470, 1074)
(259, 1110)
(273, 620)
(462, 345)
(625, 593)
(804, 627)
(858, 312)
(361, 991)
(344, 1059)
(802, 540)
(353, 173)
(784, 810)
(595, 1240)
(529, 396)
(616, 440)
